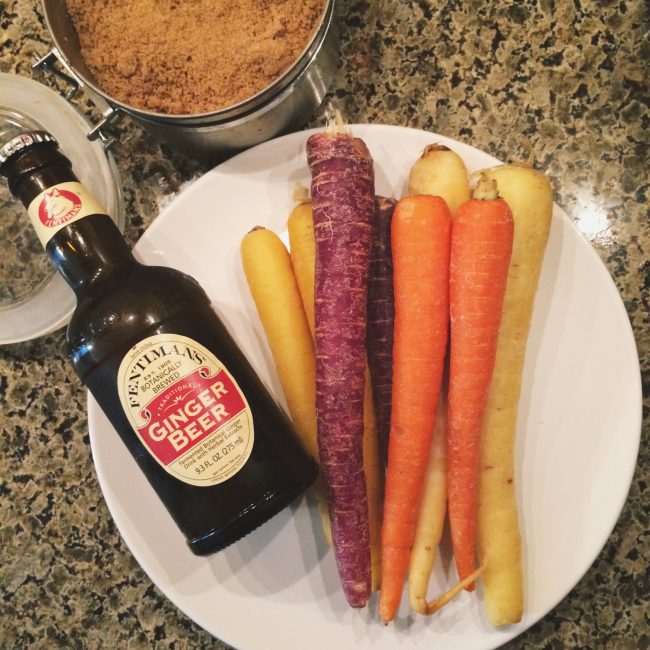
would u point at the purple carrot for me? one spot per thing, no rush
(343, 204)
(381, 314)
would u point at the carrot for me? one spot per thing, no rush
(303, 256)
(302, 247)
(431, 522)
(431, 518)
(373, 472)
(481, 246)
(421, 243)
(302, 253)
(342, 190)
(381, 312)
(530, 197)
(272, 284)
(441, 172)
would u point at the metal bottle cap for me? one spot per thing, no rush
(22, 141)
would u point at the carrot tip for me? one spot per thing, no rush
(386, 614)
(300, 194)
(436, 146)
(336, 125)
(486, 188)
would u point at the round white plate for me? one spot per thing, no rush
(579, 429)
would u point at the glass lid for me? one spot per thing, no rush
(24, 269)
(34, 299)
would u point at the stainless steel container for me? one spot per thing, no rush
(288, 102)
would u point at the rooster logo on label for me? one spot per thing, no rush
(57, 207)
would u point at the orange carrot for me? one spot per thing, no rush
(481, 244)
(421, 233)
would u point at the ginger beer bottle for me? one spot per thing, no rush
(211, 441)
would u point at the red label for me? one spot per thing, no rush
(58, 206)
(186, 408)
(185, 414)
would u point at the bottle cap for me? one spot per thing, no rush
(22, 141)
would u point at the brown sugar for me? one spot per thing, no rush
(190, 56)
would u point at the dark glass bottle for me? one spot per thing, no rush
(144, 339)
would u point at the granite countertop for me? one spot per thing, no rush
(563, 84)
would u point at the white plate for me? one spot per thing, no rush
(579, 425)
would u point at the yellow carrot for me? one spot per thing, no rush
(529, 196)
(431, 519)
(440, 172)
(273, 286)
(303, 256)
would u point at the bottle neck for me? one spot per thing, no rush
(90, 252)
(87, 252)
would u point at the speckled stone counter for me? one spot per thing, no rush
(564, 84)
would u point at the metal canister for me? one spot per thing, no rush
(286, 103)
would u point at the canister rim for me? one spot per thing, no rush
(232, 111)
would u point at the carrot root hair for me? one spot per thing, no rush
(433, 606)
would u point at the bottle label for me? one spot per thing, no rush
(186, 408)
(60, 205)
